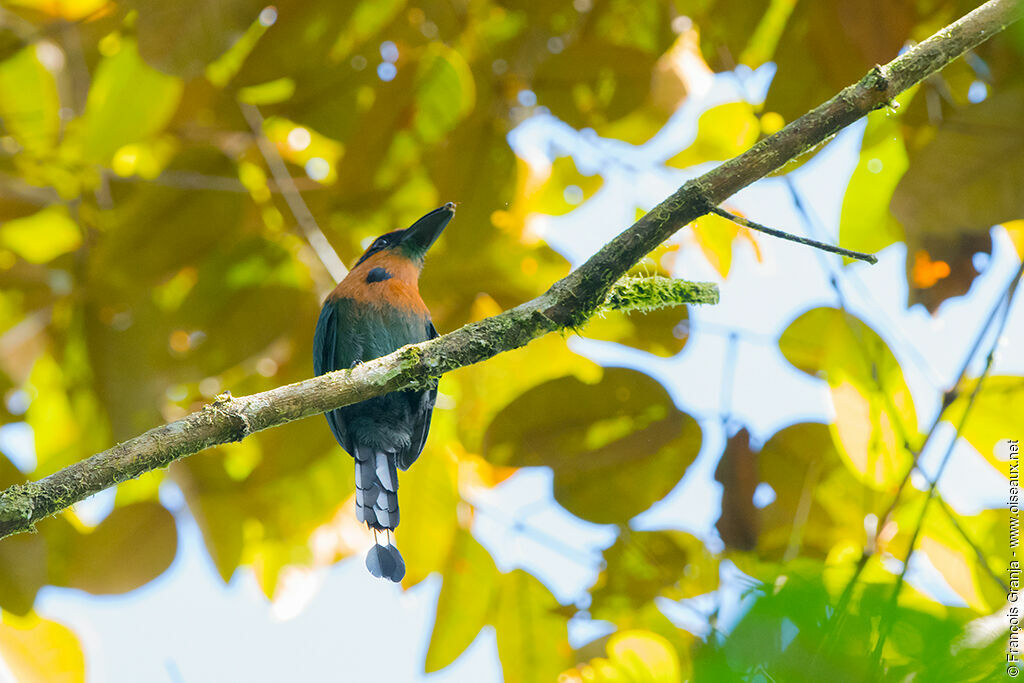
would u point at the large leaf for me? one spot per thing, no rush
(975, 570)
(875, 419)
(643, 565)
(737, 472)
(724, 131)
(818, 506)
(717, 236)
(181, 38)
(956, 188)
(593, 82)
(532, 636)
(445, 94)
(866, 223)
(22, 558)
(131, 547)
(663, 332)
(633, 656)
(483, 390)
(37, 650)
(43, 236)
(128, 102)
(828, 45)
(29, 104)
(22, 572)
(466, 603)
(65, 419)
(995, 414)
(615, 447)
(429, 500)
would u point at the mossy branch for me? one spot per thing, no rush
(646, 294)
(567, 304)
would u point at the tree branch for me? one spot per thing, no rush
(567, 304)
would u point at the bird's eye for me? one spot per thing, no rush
(380, 243)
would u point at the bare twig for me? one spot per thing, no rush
(860, 256)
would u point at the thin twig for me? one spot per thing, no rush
(807, 241)
(955, 389)
(840, 612)
(314, 235)
(1005, 304)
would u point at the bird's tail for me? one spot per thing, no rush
(377, 505)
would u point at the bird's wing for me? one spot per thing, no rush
(326, 358)
(422, 407)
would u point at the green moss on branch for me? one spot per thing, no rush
(646, 294)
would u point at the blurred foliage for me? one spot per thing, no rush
(876, 425)
(632, 656)
(789, 632)
(37, 650)
(149, 260)
(586, 434)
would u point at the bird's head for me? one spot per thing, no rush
(413, 242)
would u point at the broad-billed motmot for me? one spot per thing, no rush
(375, 310)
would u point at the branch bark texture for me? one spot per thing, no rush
(566, 305)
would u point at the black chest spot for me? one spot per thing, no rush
(377, 275)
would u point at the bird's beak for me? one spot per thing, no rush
(426, 230)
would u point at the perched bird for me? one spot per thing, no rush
(375, 310)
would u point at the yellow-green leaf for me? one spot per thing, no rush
(428, 499)
(29, 104)
(875, 417)
(481, 391)
(663, 332)
(591, 434)
(722, 133)
(994, 416)
(532, 636)
(181, 37)
(128, 102)
(72, 10)
(466, 601)
(43, 236)
(716, 237)
(57, 429)
(643, 565)
(130, 548)
(866, 223)
(445, 93)
(820, 504)
(38, 650)
(962, 565)
(634, 656)
(563, 189)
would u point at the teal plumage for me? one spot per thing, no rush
(375, 310)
